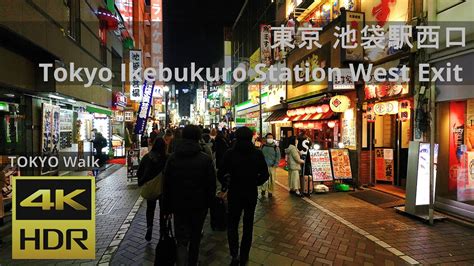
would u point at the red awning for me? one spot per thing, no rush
(311, 117)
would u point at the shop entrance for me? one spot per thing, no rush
(390, 148)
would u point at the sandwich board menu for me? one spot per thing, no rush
(341, 163)
(320, 165)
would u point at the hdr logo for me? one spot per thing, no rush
(53, 218)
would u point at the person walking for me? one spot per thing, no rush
(189, 189)
(151, 165)
(219, 148)
(243, 169)
(272, 157)
(294, 165)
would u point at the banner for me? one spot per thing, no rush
(341, 164)
(320, 165)
(144, 109)
(135, 84)
(157, 40)
(266, 44)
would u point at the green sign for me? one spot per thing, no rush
(4, 107)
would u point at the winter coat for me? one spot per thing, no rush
(220, 146)
(294, 159)
(243, 168)
(272, 154)
(189, 179)
(150, 166)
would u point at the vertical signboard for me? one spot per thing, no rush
(266, 44)
(144, 109)
(354, 20)
(320, 165)
(135, 84)
(125, 7)
(53, 217)
(157, 40)
(423, 176)
(384, 170)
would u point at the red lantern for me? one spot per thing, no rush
(370, 114)
(325, 108)
(404, 110)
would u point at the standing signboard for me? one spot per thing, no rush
(341, 163)
(133, 161)
(320, 165)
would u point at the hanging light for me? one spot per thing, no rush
(325, 108)
(331, 124)
(319, 109)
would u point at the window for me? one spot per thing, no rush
(74, 23)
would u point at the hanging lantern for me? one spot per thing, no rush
(331, 124)
(339, 103)
(370, 115)
(319, 110)
(313, 109)
(325, 108)
(307, 110)
(404, 110)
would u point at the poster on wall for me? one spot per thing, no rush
(457, 149)
(384, 170)
(50, 132)
(320, 165)
(341, 164)
(65, 120)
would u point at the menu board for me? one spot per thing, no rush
(341, 164)
(320, 165)
(384, 164)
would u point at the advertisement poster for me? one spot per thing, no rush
(133, 161)
(384, 170)
(65, 120)
(320, 165)
(465, 186)
(457, 149)
(341, 164)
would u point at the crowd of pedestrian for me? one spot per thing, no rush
(190, 169)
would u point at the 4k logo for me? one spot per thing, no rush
(53, 218)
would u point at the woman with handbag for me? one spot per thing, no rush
(150, 175)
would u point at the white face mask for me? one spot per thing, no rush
(270, 141)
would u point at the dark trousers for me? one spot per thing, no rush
(150, 212)
(188, 227)
(236, 207)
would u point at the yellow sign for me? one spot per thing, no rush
(53, 217)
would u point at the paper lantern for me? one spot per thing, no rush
(404, 110)
(300, 111)
(331, 124)
(307, 110)
(370, 115)
(391, 107)
(289, 112)
(313, 109)
(319, 109)
(325, 108)
(339, 103)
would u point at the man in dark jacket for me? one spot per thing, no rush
(243, 168)
(188, 190)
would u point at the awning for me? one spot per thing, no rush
(278, 115)
(98, 110)
(316, 116)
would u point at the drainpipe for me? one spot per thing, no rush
(431, 9)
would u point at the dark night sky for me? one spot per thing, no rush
(193, 30)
